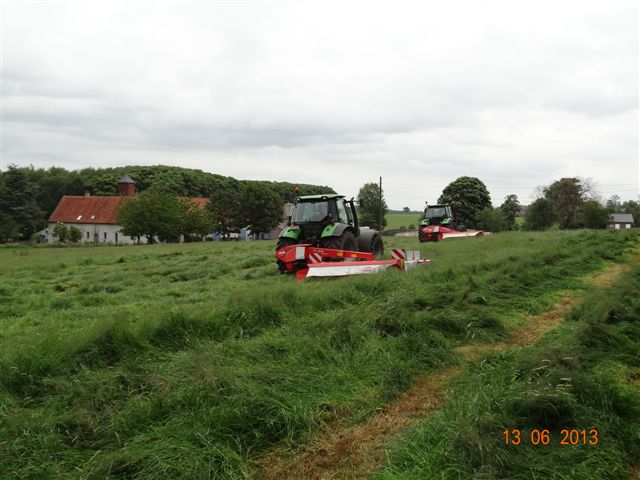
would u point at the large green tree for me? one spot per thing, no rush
(18, 207)
(260, 208)
(632, 207)
(468, 196)
(510, 208)
(9, 230)
(492, 220)
(198, 222)
(593, 215)
(372, 206)
(153, 214)
(613, 203)
(52, 184)
(567, 196)
(540, 215)
(225, 209)
(61, 232)
(75, 234)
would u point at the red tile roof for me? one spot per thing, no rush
(86, 209)
(200, 201)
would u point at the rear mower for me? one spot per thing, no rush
(439, 223)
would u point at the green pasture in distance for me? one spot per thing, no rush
(397, 220)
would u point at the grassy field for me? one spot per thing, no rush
(193, 360)
(397, 220)
(583, 377)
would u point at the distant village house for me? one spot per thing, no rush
(620, 221)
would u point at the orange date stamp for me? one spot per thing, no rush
(573, 436)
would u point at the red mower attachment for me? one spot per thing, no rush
(434, 233)
(309, 261)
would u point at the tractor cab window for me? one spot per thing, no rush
(310, 212)
(435, 212)
(343, 216)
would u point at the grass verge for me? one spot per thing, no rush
(584, 375)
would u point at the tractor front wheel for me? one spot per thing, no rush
(347, 241)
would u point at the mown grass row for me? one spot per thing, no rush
(196, 380)
(585, 375)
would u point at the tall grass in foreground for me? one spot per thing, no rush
(188, 361)
(583, 375)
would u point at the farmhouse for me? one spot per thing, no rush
(96, 216)
(620, 221)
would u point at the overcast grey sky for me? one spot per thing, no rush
(516, 93)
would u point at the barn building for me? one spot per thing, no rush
(96, 216)
(620, 221)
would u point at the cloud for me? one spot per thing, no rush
(333, 93)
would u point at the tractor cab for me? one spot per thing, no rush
(319, 216)
(325, 209)
(438, 215)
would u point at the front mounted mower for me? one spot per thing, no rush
(308, 261)
(438, 223)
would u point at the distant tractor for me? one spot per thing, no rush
(438, 223)
(329, 221)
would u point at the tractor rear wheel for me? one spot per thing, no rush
(370, 241)
(347, 241)
(377, 248)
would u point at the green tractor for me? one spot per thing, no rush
(329, 221)
(438, 222)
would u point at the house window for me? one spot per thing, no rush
(105, 236)
(116, 237)
(87, 235)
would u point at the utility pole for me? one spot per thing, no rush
(380, 211)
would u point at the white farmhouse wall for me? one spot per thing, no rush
(618, 226)
(96, 233)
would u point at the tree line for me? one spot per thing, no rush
(155, 214)
(567, 202)
(28, 195)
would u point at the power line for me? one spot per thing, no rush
(510, 185)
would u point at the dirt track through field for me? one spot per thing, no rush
(356, 451)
